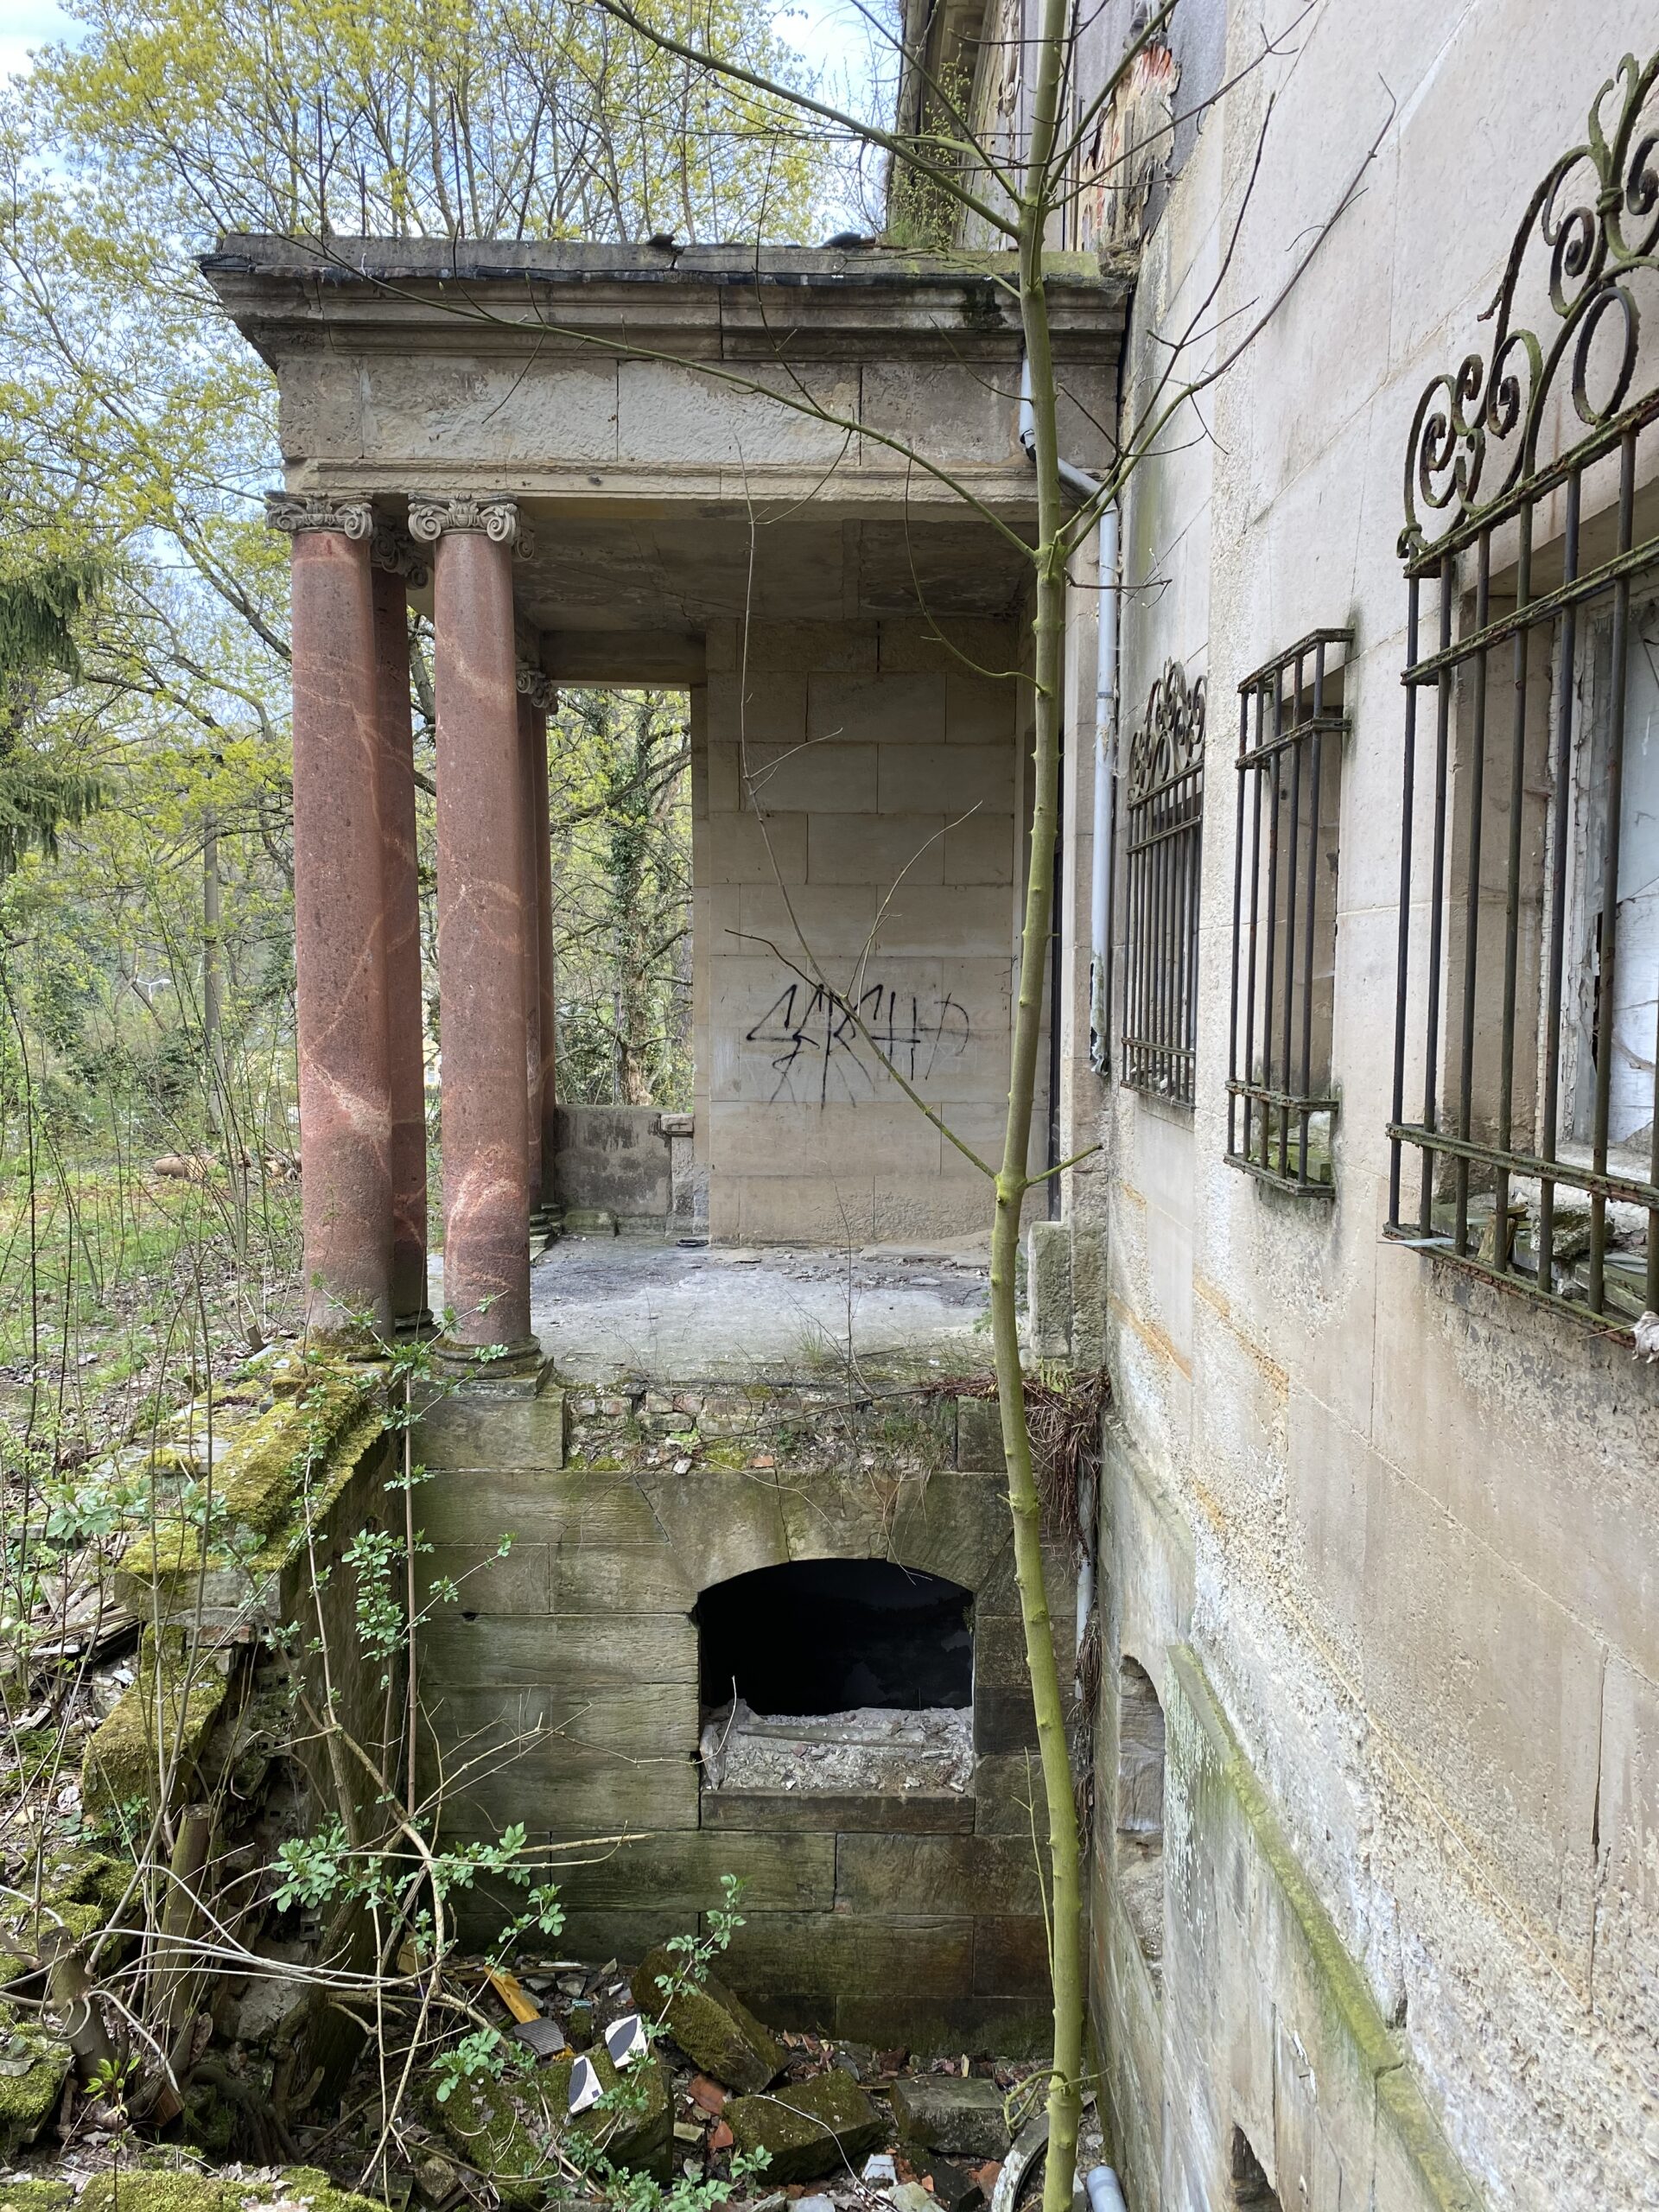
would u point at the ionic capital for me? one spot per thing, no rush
(294, 512)
(429, 516)
(390, 548)
(539, 688)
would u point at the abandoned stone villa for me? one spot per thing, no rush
(1352, 1037)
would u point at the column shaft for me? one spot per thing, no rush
(339, 939)
(405, 1007)
(481, 926)
(529, 719)
(546, 1105)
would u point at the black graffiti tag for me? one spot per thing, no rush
(812, 1026)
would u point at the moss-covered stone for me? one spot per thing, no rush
(35, 2196)
(808, 2128)
(283, 1470)
(28, 2098)
(504, 2133)
(636, 2134)
(80, 1892)
(160, 1723)
(162, 2189)
(711, 2025)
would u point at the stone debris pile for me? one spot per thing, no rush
(707, 2083)
(871, 1748)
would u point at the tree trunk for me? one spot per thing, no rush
(1066, 1902)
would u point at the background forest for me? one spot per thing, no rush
(148, 1200)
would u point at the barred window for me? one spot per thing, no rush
(1279, 1106)
(1528, 949)
(1165, 831)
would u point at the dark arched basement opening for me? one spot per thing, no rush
(836, 1675)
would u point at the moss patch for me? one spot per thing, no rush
(808, 2128)
(137, 2188)
(637, 2133)
(710, 2025)
(29, 2098)
(485, 2124)
(280, 1474)
(35, 2196)
(161, 1722)
(80, 1891)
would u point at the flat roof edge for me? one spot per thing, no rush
(352, 261)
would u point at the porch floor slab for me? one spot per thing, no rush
(604, 1306)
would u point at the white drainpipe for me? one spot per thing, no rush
(1100, 919)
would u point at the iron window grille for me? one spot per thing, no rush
(1279, 1108)
(1528, 932)
(1165, 831)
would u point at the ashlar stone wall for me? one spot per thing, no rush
(1401, 1526)
(561, 1691)
(857, 794)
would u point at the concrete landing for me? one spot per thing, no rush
(608, 1305)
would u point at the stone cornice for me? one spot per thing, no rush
(558, 298)
(431, 514)
(295, 512)
(539, 688)
(390, 548)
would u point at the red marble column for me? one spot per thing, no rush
(546, 1106)
(529, 721)
(482, 923)
(405, 1011)
(340, 922)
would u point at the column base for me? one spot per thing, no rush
(517, 1371)
(408, 1326)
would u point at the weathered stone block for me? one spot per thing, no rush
(1048, 1288)
(1011, 1955)
(808, 2128)
(944, 2112)
(506, 1436)
(29, 2098)
(158, 1726)
(639, 2133)
(132, 2189)
(823, 1956)
(485, 2124)
(915, 1812)
(922, 1874)
(979, 1437)
(711, 2025)
(683, 1873)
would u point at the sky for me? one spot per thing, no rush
(829, 32)
(25, 24)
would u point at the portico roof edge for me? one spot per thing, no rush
(908, 301)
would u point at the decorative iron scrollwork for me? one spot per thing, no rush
(1474, 438)
(1170, 742)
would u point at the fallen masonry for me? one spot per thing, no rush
(943, 2113)
(714, 2029)
(809, 2130)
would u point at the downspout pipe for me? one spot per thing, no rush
(1101, 851)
